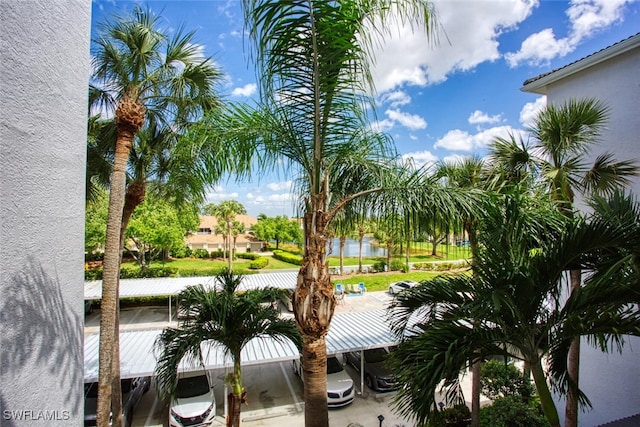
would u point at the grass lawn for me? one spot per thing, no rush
(381, 281)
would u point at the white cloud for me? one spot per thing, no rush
(395, 98)
(460, 140)
(384, 125)
(411, 121)
(530, 111)
(479, 117)
(246, 90)
(586, 18)
(539, 49)
(280, 186)
(469, 37)
(421, 158)
(218, 194)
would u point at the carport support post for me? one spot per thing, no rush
(361, 371)
(169, 308)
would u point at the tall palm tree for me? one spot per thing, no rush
(226, 213)
(142, 75)
(225, 316)
(468, 173)
(564, 135)
(312, 58)
(512, 304)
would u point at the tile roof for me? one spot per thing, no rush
(633, 421)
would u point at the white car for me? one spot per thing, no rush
(397, 287)
(195, 403)
(340, 388)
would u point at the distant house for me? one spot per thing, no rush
(206, 237)
(611, 75)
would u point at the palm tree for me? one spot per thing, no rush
(563, 136)
(224, 316)
(143, 76)
(226, 213)
(511, 305)
(312, 58)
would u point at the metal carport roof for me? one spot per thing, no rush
(165, 286)
(172, 286)
(351, 331)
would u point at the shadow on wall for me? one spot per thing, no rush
(41, 331)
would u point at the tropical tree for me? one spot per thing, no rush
(157, 227)
(563, 136)
(140, 74)
(224, 316)
(513, 305)
(312, 58)
(226, 213)
(279, 228)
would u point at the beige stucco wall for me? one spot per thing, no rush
(43, 97)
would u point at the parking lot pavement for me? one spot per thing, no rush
(275, 399)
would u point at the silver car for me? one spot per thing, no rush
(397, 287)
(340, 388)
(195, 403)
(132, 391)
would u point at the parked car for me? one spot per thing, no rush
(376, 374)
(195, 403)
(132, 391)
(397, 287)
(340, 388)
(88, 306)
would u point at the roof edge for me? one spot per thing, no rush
(539, 84)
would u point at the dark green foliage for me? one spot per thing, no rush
(397, 265)
(287, 257)
(510, 411)
(499, 379)
(455, 416)
(247, 255)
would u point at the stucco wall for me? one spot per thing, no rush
(611, 381)
(43, 76)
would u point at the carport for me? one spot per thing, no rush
(353, 331)
(172, 286)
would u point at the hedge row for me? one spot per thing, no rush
(287, 257)
(258, 263)
(439, 266)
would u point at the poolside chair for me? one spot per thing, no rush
(355, 288)
(339, 292)
(363, 288)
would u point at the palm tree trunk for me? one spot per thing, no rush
(111, 270)
(546, 400)
(343, 240)
(237, 395)
(229, 227)
(475, 394)
(314, 362)
(361, 235)
(314, 304)
(134, 196)
(573, 366)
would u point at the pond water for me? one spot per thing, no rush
(352, 248)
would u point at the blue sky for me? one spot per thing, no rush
(439, 101)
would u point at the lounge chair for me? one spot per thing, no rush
(339, 292)
(363, 288)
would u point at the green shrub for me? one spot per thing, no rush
(499, 379)
(287, 257)
(201, 253)
(258, 263)
(456, 416)
(93, 274)
(137, 273)
(247, 255)
(511, 411)
(181, 252)
(379, 265)
(397, 265)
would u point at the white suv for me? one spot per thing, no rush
(195, 403)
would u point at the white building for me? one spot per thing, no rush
(612, 75)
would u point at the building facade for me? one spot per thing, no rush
(611, 75)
